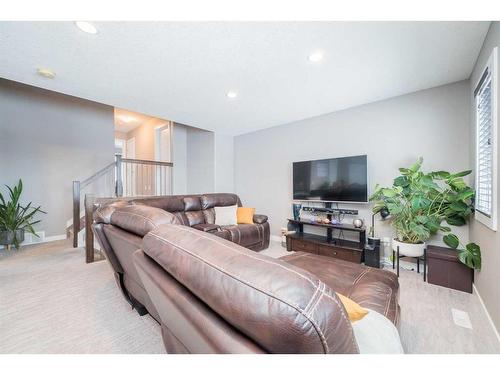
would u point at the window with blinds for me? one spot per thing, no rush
(484, 152)
(486, 117)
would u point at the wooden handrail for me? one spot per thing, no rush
(76, 212)
(89, 233)
(150, 162)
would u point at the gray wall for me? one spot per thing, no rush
(433, 123)
(224, 163)
(203, 161)
(48, 140)
(200, 161)
(488, 279)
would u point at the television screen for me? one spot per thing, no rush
(335, 180)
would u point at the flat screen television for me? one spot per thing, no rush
(331, 180)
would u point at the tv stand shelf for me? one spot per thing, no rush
(327, 245)
(347, 227)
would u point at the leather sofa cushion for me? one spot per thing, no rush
(103, 214)
(222, 234)
(195, 217)
(141, 219)
(209, 214)
(283, 308)
(369, 287)
(170, 204)
(192, 204)
(181, 216)
(219, 200)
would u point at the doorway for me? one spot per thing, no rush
(163, 143)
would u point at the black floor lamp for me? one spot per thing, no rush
(384, 214)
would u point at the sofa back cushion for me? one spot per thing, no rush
(172, 204)
(190, 209)
(140, 219)
(219, 200)
(281, 308)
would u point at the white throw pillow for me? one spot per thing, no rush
(225, 215)
(375, 334)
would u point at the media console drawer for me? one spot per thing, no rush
(301, 245)
(335, 252)
(313, 245)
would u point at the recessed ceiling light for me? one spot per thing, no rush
(316, 56)
(47, 73)
(127, 119)
(232, 94)
(86, 27)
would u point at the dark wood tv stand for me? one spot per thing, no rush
(351, 251)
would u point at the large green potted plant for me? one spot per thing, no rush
(15, 219)
(423, 204)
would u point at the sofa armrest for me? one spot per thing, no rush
(207, 227)
(140, 219)
(259, 219)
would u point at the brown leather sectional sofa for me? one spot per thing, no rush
(121, 225)
(211, 295)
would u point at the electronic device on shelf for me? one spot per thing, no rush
(342, 179)
(341, 211)
(372, 252)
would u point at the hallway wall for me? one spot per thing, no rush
(48, 140)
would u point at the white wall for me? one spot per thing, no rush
(48, 140)
(432, 123)
(224, 163)
(488, 279)
(179, 158)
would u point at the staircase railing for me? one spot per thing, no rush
(80, 186)
(122, 178)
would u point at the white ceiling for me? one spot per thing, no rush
(182, 71)
(126, 121)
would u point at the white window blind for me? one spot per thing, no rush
(484, 124)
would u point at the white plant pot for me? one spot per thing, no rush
(408, 249)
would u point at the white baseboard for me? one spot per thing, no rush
(45, 239)
(55, 238)
(486, 311)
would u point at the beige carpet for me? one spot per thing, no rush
(52, 302)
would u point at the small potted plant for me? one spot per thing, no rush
(15, 219)
(423, 204)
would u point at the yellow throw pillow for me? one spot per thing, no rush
(354, 311)
(244, 215)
